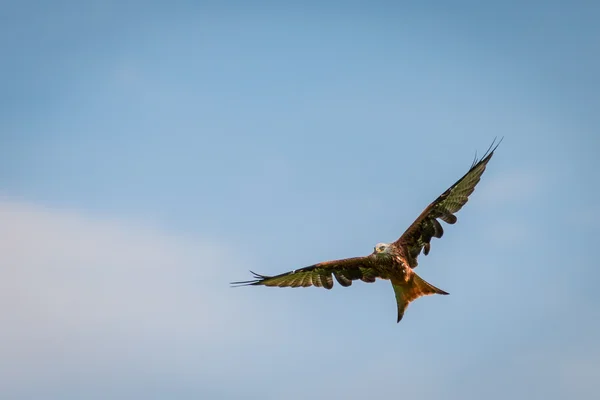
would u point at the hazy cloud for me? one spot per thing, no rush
(79, 291)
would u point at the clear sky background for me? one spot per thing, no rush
(153, 152)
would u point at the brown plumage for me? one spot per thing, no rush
(394, 261)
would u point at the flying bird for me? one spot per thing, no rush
(391, 261)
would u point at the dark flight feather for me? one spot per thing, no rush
(320, 275)
(418, 236)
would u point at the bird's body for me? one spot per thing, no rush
(390, 261)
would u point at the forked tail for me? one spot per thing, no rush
(412, 290)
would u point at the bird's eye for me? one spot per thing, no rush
(381, 248)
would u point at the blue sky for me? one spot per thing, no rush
(152, 153)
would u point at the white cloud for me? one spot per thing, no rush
(81, 294)
(97, 307)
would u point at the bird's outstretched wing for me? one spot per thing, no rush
(418, 236)
(345, 271)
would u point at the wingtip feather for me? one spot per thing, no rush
(258, 279)
(488, 153)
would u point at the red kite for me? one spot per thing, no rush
(394, 261)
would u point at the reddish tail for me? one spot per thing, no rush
(412, 290)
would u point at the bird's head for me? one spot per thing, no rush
(381, 249)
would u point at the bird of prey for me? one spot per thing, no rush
(394, 261)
